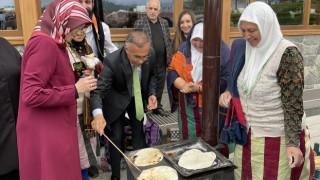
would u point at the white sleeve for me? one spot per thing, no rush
(96, 112)
(109, 47)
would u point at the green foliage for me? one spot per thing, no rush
(112, 7)
(283, 14)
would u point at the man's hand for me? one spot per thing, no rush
(295, 157)
(152, 102)
(98, 124)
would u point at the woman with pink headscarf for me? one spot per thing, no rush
(46, 128)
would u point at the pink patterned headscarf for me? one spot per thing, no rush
(59, 18)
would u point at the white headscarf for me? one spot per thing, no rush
(264, 17)
(196, 56)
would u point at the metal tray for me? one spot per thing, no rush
(172, 152)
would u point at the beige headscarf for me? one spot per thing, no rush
(196, 56)
(264, 17)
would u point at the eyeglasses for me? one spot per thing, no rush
(80, 28)
(136, 57)
(143, 58)
(78, 68)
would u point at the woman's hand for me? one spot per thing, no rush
(190, 87)
(295, 157)
(224, 99)
(86, 84)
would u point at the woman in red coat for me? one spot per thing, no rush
(46, 129)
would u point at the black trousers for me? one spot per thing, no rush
(161, 78)
(117, 136)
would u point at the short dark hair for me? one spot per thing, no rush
(139, 38)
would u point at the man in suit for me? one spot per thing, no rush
(115, 93)
(98, 36)
(157, 30)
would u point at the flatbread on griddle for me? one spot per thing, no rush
(194, 159)
(147, 156)
(159, 173)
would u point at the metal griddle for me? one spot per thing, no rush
(223, 169)
(173, 152)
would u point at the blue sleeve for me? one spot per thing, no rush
(171, 77)
(225, 67)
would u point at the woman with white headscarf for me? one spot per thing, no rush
(265, 96)
(185, 81)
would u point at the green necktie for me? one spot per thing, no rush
(137, 95)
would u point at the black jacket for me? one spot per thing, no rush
(10, 61)
(115, 84)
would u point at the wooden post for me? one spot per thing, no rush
(318, 13)
(211, 71)
(30, 12)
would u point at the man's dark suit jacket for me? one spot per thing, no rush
(115, 84)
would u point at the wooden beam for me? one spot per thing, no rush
(15, 40)
(178, 8)
(29, 10)
(226, 16)
(306, 13)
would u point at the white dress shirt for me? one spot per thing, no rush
(109, 47)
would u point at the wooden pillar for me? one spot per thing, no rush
(30, 13)
(318, 13)
(211, 70)
(226, 16)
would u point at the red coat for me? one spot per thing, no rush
(46, 128)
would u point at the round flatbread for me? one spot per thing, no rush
(195, 159)
(148, 156)
(159, 173)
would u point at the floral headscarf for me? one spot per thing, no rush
(59, 18)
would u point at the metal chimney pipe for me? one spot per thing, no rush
(211, 70)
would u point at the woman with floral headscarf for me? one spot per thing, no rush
(266, 106)
(46, 128)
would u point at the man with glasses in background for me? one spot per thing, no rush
(157, 30)
(127, 84)
(98, 34)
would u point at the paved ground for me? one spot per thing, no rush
(107, 176)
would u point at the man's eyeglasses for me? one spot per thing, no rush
(143, 58)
